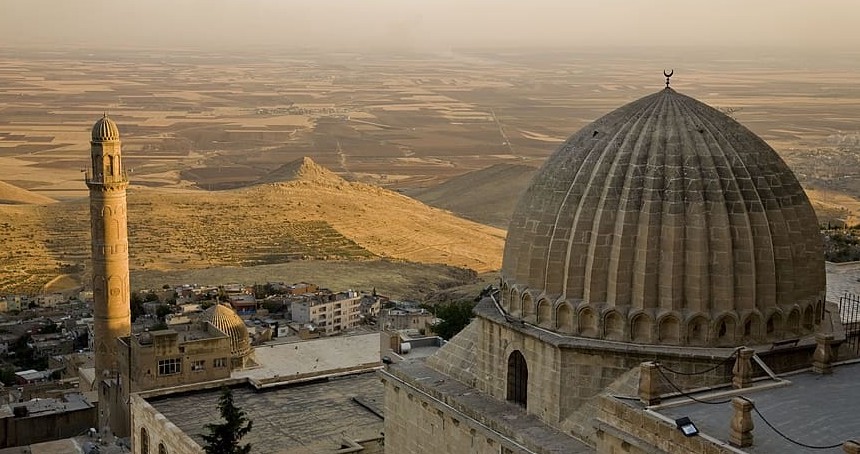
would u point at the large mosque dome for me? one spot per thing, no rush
(666, 222)
(225, 319)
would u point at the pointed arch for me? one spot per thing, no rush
(697, 331)
(808, 318)
(587, 322)
(752, 327)
(528, 306)
(564, 318)
(773, 327)
(516, 304)
(640, 328)
(724, 330)
(544, 313)
(669, 330)
(792, 325)
(613, 326)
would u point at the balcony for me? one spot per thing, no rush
(105, 179)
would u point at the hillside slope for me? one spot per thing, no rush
(13, 195)
(313, 214)
(488, 196)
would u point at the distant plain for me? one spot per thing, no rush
(194, 124)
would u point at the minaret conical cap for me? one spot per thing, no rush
(104, 130)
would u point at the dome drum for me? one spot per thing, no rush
(718, 328)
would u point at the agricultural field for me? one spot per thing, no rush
(207, 138)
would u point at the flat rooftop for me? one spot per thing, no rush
(316, 416)
(817, 410)
(503, 417)
(282, 362)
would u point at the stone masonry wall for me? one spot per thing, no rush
(624, 429)
(415, 424)
(562, 379)
(159, 430)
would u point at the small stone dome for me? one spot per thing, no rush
(225, 319)
(105, 129)
(666, 222)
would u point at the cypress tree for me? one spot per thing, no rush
(224, 438)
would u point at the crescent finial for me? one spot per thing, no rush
(668, 75)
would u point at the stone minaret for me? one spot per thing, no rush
(107, 182)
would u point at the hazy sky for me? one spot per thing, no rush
(430, 24)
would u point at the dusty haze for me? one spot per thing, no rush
(429, 24)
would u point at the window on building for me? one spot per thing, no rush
(170, 366)
(144, 441)
(198, 364)
(518, 378)
(162, 449)
(219, 362)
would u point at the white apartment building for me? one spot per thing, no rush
(329, 313)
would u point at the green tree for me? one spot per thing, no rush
(454, 317)
(224, 438)
(162, 310)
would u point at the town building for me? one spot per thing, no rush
(312, 396)
(329, 312)
(40, 420)
(243, 303)
(407, 318)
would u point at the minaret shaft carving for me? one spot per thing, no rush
(107, 182)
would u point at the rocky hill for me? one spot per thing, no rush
(307, 214)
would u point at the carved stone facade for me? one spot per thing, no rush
(107, 181)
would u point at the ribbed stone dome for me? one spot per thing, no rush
(666, 221)
(105, 129)
(225, 319)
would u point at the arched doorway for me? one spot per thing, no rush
(518, 378)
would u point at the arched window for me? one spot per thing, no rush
(518, 378)
(564, 318)
(144, 441)
(162, 449)
(697, 331)
(528, 307)
(808, 318)
(544, 313)
(640, 330)
(669, 330)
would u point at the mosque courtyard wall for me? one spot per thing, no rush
(149, 429)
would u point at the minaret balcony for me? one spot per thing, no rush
(105, 179)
